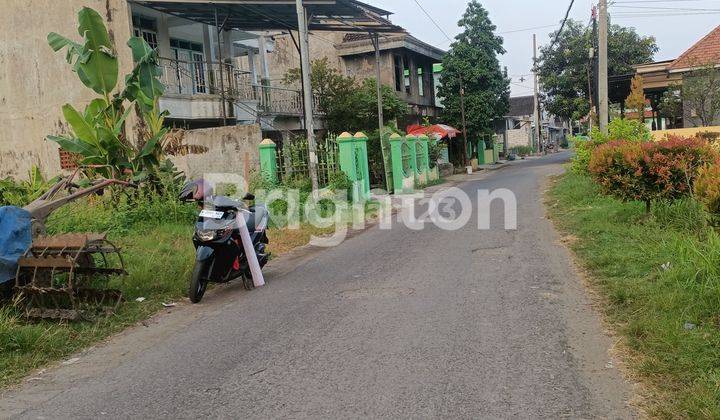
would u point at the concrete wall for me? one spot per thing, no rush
(193, 106)
(683, 132)
(363, 66)
(519, 136)
(285, 55)
(232, 149)
(35, 82)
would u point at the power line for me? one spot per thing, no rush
(658, 8)
(520, 85)
(562, 25)
(643, 15)
(527, 29)
(653, 1)
(433, 20)
(512, 31)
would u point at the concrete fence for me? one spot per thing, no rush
(410, 162)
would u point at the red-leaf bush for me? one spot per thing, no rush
(650, 171)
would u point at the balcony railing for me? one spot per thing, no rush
(212, 78)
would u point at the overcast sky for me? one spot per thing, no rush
(691, 20)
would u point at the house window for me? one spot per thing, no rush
(146, 28)
(398, 72)
(406, 79)
(421, 81)
(189, 67)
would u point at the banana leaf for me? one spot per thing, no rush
(98, 66)
(75, 145)
(82, 129)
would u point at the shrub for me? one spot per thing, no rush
(583, 150)
(21, 193)
(144, 209)
(618, 129)
(622, 129)
(435, 151)
(649, 171)
(521, 150)
(707, 190)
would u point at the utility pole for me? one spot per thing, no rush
(221, 64)
(307, 94)
(375, 37)
(536, 101)
(464, 122)
(603, 67)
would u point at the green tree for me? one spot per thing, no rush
(472, 63)
(348, 105)
(671, 105)
(701, 95)
(564, 70)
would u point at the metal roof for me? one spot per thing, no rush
(258, 15)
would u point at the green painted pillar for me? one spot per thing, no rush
(346, 152)
(362, 167)
(268, 160)
(412, 143)
(481, 151)
(396, 142)
(424, 142)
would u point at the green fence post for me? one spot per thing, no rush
(362, 164)
(346, 152)
(424, 144)
(396, 143)
(412, 142)
(481, 151)
(268, 160)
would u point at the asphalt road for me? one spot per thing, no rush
(400, 323)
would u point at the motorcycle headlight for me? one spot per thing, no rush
(206, 235)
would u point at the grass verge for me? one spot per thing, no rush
(659, 276)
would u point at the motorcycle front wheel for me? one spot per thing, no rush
(248, 283)
(198, 281)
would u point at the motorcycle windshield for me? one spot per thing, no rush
(214, 224)
(222, 202)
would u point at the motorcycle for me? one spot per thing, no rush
(219, 252)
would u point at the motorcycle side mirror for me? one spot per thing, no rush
(249, 197)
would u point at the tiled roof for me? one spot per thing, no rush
(706, 51)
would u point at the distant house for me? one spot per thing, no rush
(518, 123)
(518, 127)
(660, 76)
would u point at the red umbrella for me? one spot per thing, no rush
(438, 130)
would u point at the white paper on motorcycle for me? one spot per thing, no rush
(211, 214)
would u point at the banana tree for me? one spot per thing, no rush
(98, 133)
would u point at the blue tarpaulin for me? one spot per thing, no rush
(15, 239)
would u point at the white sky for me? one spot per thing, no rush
(674, 34)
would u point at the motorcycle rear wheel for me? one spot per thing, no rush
(198, 281)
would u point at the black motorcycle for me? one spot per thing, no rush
(220, 256)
